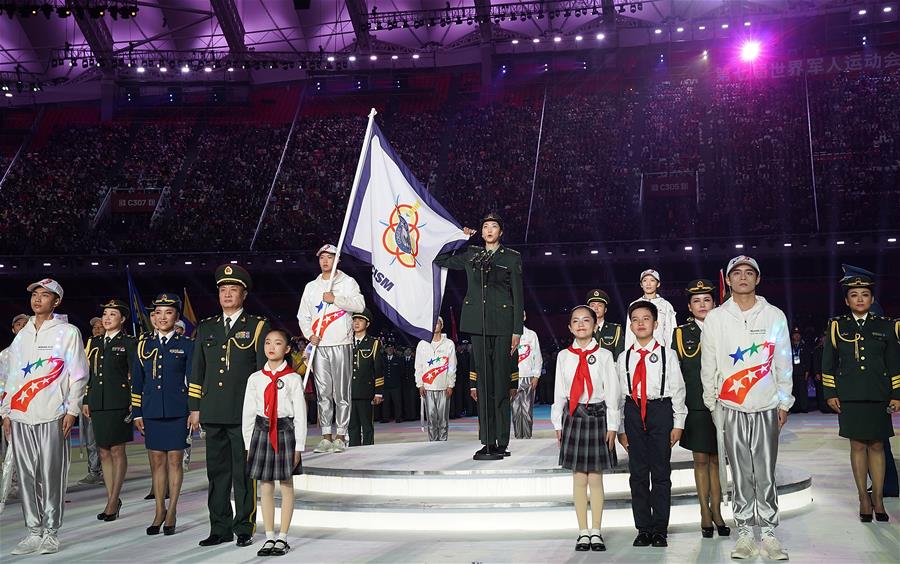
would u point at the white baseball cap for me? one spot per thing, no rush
(739, 260)
(652, 273)
(48, 284)
(329, 248)
(181, 324)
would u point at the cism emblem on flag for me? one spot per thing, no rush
(401, 236)
(31, 388)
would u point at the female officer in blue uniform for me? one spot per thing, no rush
(160, 406)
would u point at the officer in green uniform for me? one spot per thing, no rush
(492, 314)
(107, 400)
(861, 380)
(699, 434)
(367, 383)
(228, 348)
(608, 335)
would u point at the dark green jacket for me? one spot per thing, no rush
(611, 337)
(109, 386)
(861, 363)
(686, 343)
(222, 364)
(502, 295)
(368, 369)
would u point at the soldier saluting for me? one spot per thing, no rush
(228, 348)
(492, 314)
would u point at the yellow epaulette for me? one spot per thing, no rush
(897, 329)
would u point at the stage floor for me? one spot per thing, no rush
(827, 530)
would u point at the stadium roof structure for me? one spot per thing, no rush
(70, 42)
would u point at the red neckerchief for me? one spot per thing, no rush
(640, 379)
(582, 377)
(270, 401)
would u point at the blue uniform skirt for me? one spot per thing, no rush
(164, 434)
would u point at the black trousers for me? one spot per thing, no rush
(226, 469)
(801, 394)
(820, 398)
(362, 423)
(649, 462)
(392, 406)
(494, 367)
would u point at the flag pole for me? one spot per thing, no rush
(359, 166)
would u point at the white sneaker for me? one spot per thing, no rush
(744, 548)
(324, 446)
(772, 549)
(29, 544)
(338, 446)
(49, 544)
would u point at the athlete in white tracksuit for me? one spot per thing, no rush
(326, 320)
(530, 363)
(435, 378)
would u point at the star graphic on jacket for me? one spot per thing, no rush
(736, 386)
(39, 363)
(432, 361)
(34, 386)
(754, 349)
(320, 306)
(738, 355)
(27, 369)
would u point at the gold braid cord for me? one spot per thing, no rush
(142, 357)
(835, 335)
(681, 352)
(249, 345)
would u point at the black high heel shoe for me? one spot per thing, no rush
(883, 517)
(169, 530)
(154, 529)
(707, 532)
(723, 530)
(114, 516)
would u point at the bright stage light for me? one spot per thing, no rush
(750, 51)
(887, 9)
(601, 37)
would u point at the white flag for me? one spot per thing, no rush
(399, 228)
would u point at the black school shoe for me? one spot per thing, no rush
(266, 549)
(659, 540)
(244, 540)
(597, 544)
(281, 548)
(642, 539)
(213, 540)
(583, 544)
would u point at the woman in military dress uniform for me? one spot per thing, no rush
(699, 435)
(106, 403)
(861, 381)
(159, 400)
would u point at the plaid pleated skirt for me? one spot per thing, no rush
(266, 464)
(583, 442)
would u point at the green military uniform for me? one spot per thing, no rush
(223, 362)
(699, 430)
(499, 301)
(609, 336)
(860, 367)
(367, 382)
(108, 393)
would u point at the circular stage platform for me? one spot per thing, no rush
(438, 487)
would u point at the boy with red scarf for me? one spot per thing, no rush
(652, 399)
(274, 429)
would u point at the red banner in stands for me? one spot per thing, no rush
(135, 202)
(672, 185)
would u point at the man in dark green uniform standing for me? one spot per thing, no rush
(367, 383)
(492, 314)
(228, 348)
(608, 335)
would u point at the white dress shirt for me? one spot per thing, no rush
(603, 380)
(674, 387)
(291, 403)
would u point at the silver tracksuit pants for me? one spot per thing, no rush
(437, 411)
(751, 442)
(333, 373)
(523, 410)
(42, 461)
(86, 428)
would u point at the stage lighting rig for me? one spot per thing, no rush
(64, 8)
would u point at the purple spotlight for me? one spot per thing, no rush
(750, 51)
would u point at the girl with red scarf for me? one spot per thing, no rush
(274, 426)
(586, 418)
